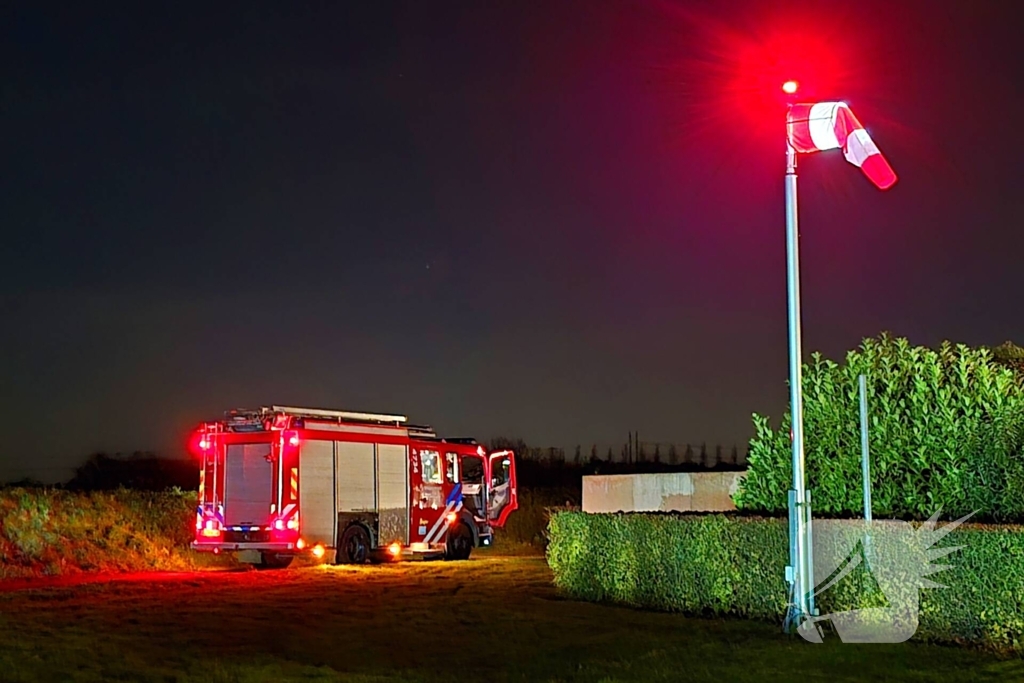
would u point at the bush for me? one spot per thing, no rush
(946, 431)
(49, 531)
(718, 565)
(527, 525)
(1010, 355)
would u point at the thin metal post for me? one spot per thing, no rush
(865, 462)
(803, 569)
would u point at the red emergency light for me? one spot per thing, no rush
(200, 443)
(290, 439)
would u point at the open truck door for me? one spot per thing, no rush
(502, 497)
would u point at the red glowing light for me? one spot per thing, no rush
(293, 440)
(743, 70)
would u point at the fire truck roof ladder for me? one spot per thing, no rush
(422, 432)
(340, 415)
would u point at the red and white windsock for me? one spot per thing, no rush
(831, 125)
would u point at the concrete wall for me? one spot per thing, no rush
(672, 492)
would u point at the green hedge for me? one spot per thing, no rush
(946, 428)
(718, 565)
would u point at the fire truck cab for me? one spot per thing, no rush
(280, 481)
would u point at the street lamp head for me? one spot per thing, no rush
(789, 87)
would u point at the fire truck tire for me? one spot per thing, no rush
(274, 561)
(460, 542)
(354, 547)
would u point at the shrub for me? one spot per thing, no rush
(49, 531)
(946, 431)
(718, 565)
(1010, 355)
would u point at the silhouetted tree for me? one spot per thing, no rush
(25, 483)
(688, 455)
(657, 454)
(673, 455)
(578, 456)
(141, 471)
(704, 455)
(514, 444)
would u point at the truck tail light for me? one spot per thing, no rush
(279, 524)
(395, 549)
(293, 524)
(451, 517)
(211, 529)
(300, 544)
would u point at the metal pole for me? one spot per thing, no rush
(803, 571)
(865, 462)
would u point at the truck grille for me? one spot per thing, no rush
(260, 536)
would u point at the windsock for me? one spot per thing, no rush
(831, 125)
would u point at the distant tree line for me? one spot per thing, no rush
(142, 471)
(535, 467)
(552, 467)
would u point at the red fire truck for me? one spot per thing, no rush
(279, 481)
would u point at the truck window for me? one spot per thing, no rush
(431, 461)
(452, 467)
(472, 469)
(500, 472)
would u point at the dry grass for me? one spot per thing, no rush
(46, 532)
(492, 618)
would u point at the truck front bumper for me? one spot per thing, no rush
(217, 547)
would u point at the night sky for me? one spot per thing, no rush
(556, 220)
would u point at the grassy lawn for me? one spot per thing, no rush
(494, 618)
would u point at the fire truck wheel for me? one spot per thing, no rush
(355, 545)
(459, 544)
(274, 561)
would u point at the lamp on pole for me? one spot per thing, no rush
(800, 573)
(812, 127)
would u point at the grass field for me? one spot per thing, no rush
(494, 618)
